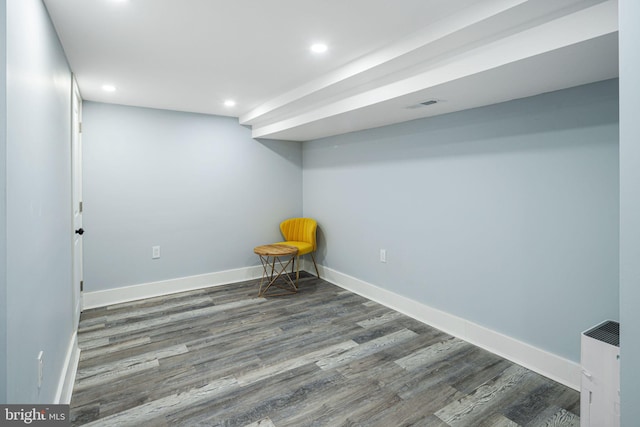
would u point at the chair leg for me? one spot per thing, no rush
(297, 268)
(315, 265)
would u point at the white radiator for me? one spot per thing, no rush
(600, 385)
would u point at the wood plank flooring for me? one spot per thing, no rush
(323, 357)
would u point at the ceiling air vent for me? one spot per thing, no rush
(424, 104)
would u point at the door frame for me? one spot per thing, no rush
(76, 203)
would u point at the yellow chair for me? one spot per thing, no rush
(301, 233)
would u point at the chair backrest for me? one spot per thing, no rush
(299, 230)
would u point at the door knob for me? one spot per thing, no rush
(80, 231)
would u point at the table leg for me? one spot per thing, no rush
(269, 280)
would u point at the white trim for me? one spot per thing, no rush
(68, 375)
(166, 287)
(548, 364)
(543, 362)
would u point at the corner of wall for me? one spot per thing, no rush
(629, 212)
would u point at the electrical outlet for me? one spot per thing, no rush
(383, 255)
(40, 368)
(155, 252)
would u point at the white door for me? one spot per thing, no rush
(76, 186)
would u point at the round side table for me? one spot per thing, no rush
(275, 259)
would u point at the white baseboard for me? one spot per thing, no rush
(543, 362)
(166, 287)
(68, 375)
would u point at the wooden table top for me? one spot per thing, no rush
(275, 250)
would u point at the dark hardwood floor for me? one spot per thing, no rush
(323, 357)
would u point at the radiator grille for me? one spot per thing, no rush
(608, 332)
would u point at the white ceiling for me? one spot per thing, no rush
(383, 57)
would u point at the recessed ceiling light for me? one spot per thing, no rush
(319, 48)
(230, 103)
(108, 88)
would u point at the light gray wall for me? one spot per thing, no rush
(38, 205)
(196, 185)
(630, 210)
(3, 205)
(505, 215)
